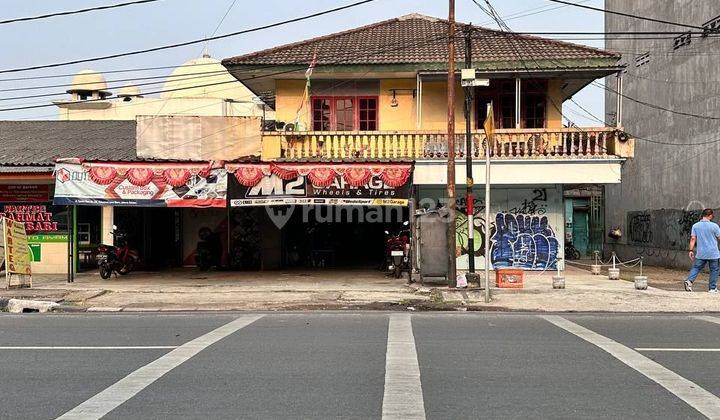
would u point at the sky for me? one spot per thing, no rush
(148, 25)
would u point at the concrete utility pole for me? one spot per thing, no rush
(469, 199)
(452, 272)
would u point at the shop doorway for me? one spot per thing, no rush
(154, 232)
(339, 236)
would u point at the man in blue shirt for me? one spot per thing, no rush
(705, 234)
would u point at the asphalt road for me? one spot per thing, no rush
(359, 365)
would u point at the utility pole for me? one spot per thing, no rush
(469, 199)
(452, 272)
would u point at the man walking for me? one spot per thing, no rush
(705, 234)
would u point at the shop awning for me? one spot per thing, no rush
(320, 184)
(141, 184)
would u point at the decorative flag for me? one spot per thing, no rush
(489, 124)
(306, 93)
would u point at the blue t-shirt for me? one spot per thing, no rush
(707, 234)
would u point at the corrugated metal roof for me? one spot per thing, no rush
(39, 143)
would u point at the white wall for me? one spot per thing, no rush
(527, 225)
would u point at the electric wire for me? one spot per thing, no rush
(613, 12)
(74, 12)
(186, 43)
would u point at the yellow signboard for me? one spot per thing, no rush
(17, 252)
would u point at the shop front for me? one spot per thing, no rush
(28, 199)
(160, 207)
(316, 216)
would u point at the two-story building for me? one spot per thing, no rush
(374, 99)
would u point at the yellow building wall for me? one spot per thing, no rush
(288, 99)
(54, 259)
(289, 95)
(122, 110)
(404, 115)
(434, 106)
(555, 100)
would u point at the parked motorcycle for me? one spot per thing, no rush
(118, 258)
(571, 253)
(397, 251)
(208, 250)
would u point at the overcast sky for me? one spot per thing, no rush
(169, 21)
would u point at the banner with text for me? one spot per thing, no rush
(141, 184)
(320, 184)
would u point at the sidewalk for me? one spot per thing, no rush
(184, 290)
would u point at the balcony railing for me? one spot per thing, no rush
(416, 145)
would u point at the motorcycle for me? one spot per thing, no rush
(397, 251)
(571, 253)
(119, 258)
(208, 250)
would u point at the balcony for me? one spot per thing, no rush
(560, 143)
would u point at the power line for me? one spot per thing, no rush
(655, 106)
(613, 12)
(183, 44)
(232, 4)
(75, 12)
(351, 56)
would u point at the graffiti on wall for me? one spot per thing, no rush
(662, 229)
(640, 227)
(520, 232)
(525, 241)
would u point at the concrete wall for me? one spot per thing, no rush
(667, 183)
(527, 225)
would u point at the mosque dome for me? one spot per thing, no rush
(129, 91)
(204, 77)
(88, 81)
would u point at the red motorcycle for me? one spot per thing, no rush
(397, 251)
(118, 258)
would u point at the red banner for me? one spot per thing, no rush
(352, 184)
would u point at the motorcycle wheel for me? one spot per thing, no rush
(398, 271)
(127, 268)
(105, 271)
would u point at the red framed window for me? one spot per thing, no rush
(345, 113)
(368, 113)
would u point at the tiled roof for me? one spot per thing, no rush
(39, 143)
(416, 39)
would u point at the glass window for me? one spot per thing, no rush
(321, 115)
(534, 107)
(368, 114)
(345, 113)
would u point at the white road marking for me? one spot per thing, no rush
(674, 349)
(698, 398)
(403, 396)
(121, 391)
(708, 318)
(85, 347)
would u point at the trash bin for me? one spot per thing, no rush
(509, 278)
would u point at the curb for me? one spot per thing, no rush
(23, 305)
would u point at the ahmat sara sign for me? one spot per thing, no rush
(140, 184)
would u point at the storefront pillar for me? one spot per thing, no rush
(107, 222)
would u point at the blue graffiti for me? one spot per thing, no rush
(525, 241)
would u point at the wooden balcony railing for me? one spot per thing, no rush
(416, 145)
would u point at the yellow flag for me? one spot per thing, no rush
(489, 124)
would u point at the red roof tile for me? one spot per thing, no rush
(416, 39)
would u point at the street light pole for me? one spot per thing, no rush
(469, 199)
(452, 272)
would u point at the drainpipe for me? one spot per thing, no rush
(619, 104)
(517, 102)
